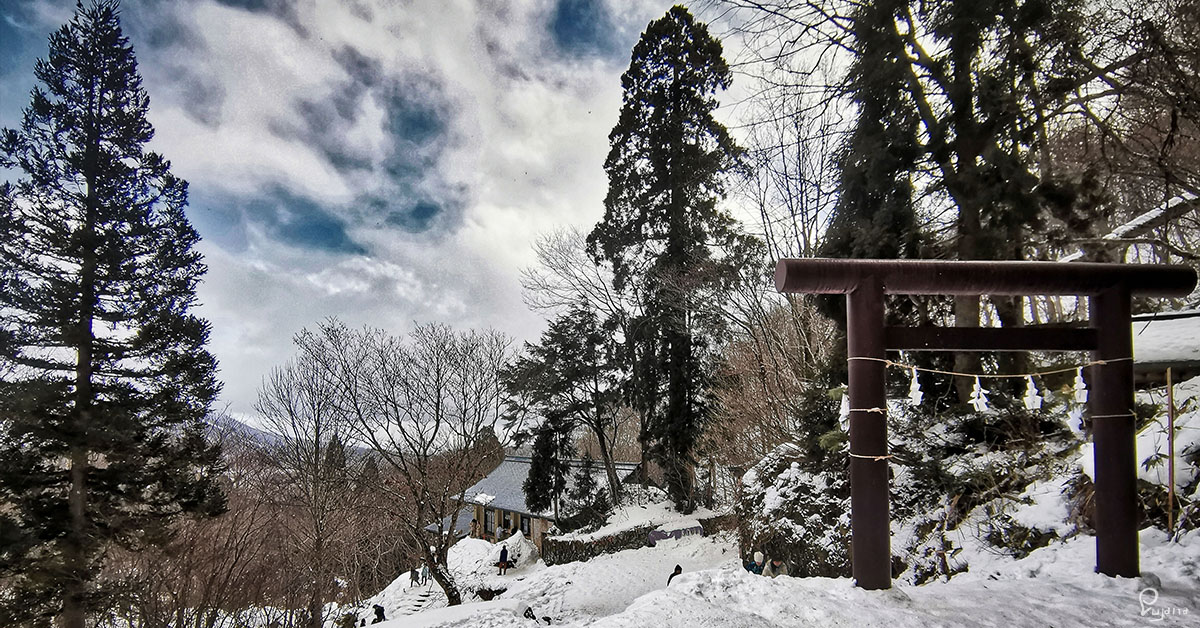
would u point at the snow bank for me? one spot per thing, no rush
(573, 594)
(1168, 339)
(1052, 587)
(659, 514)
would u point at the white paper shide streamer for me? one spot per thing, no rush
(844, 412)
(978, 399)
(914, 390)
(1081, 390)
(1032, 399)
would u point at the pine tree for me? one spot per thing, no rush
(663, 231)
(572, 375)
(334, 463)
(548, 467)
(106, 383)
(589, 502)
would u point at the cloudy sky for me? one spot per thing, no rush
(382, 161)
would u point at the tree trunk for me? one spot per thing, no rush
(449, 587)
(77, 543)
(966, 307)
(74, 591)
(610, 468)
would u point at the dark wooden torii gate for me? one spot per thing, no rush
(1109, 338)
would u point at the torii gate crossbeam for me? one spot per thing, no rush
(1110, 288)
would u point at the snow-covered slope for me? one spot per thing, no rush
(1054, 586)
(1051, 586)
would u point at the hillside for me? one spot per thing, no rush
(1051, 585)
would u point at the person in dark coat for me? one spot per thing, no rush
(503, 559)
(378, 614)
(678, 570)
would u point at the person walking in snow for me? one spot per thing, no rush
(378, 615)
(424, 574)
(414, 578)
(503, 559)
(755, 566)
(678, 570)
(775, 567)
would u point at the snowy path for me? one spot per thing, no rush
(417, 599)
(578, 593)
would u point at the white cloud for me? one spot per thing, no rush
(522, 154)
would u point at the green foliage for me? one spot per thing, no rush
(662, 229)
(793, 514)
(588, 503)
(107, 382)
(549, 466)
(572, 378)
(875, 215)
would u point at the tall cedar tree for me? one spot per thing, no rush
(662, 229)
(875, 216)
(572, 378)
(106, 382)
(960, 95)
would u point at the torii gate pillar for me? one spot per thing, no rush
(1110, 401)
(870, 526)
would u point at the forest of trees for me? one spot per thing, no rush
(1000, 129)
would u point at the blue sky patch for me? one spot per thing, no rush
(584, 28)
(295, 220)
(417, 218)
(22, 41)
(302, 223)
(413, 115)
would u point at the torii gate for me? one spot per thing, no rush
(1109, 338)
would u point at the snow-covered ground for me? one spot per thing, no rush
(659, 513)
(1053, 586)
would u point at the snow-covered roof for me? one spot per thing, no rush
(502, 487)
(1167, 337)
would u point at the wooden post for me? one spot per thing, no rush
(870, 545)
(1111, 403)
(1170, 454)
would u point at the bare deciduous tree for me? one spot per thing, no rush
(311, 475)
(428, 407)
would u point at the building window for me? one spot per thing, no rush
(507, 521)
(525, 525)
(489, 521)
